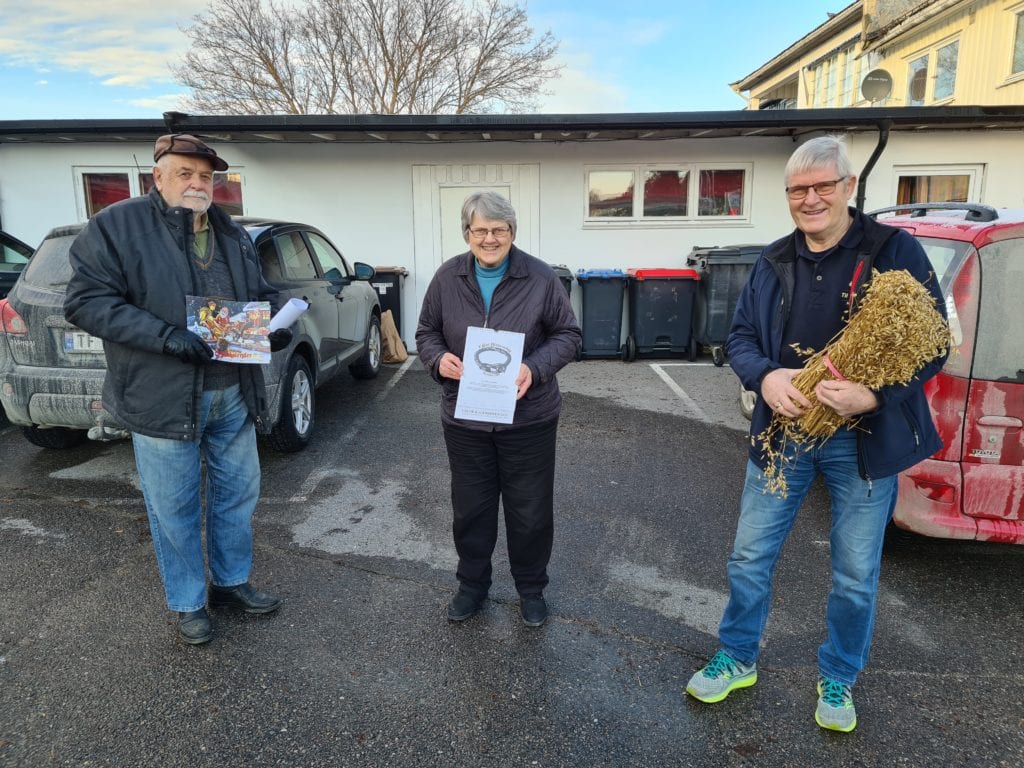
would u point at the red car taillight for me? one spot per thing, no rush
(10, 321)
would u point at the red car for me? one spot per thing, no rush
(974, 487)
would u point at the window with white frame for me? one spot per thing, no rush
(100, 187)
(938, 183)
(667, 193)
(1017, 65)
(931, 75)
(830, 79)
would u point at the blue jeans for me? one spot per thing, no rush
(170, 474)
(860, 512)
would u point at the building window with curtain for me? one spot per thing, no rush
(938, 184)
(667, 193)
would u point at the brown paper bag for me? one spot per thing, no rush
(394, 349)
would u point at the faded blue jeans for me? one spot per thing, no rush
(860, 513)
(170, 472)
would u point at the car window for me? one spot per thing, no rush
(999, 350)
(295, 259)
(12, 257)
(944, 255)
(50, 267)
(333, 263)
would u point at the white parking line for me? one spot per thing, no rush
(360, 422)
(658, 368)
(315, 477)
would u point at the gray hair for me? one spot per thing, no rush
(819, 152)
(487, 205)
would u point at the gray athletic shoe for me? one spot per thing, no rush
(719, 677)
(835, 710)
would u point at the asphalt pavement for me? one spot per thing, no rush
(361, 668)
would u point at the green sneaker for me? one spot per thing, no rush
(719, 677)
(835, 706)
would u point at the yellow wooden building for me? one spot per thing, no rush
(897, 53)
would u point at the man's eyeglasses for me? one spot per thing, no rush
(481, 233)
(821, 189)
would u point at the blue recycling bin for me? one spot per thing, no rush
(601, 297)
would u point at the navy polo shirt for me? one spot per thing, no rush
(821, 295)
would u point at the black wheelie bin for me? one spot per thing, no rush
(661, 303)
(723, 274)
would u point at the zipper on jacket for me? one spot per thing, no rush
(911, 425)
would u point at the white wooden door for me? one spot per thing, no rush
(438, 194)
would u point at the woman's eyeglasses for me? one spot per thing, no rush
(481, 233)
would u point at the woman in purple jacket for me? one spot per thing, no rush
(496, 285)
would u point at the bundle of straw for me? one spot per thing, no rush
(894, 333)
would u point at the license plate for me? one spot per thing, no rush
(80, 341)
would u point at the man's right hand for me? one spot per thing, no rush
(187, 347)
(778, 392)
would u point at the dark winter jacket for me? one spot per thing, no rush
(900, 432)
(131, 274)
(530, 299)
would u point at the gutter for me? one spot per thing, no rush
(862, 180)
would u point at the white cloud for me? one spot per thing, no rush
(42, 82)
(167, 103)
(124, 42)
(577, 91)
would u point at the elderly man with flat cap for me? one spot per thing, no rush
(133, 265)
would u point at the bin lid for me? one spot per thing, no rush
(603, 274)
(561, 270)
(661, 274)
(744, 254)
(397, 270)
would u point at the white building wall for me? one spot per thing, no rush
(361, 196)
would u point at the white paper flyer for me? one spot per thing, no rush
(490, 365)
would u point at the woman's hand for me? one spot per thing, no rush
(524, 380)
(450, 366)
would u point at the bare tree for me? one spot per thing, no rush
(365, 56)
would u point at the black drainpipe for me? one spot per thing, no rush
(883, 139)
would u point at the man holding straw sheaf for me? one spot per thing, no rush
(801, 293)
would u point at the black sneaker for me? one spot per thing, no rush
(464, 605)
(533, 610)
(194, 627)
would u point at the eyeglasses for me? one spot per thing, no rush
(481, 233)
(821, 189)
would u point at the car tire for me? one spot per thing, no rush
(748, 399)
(368, 366)
(54, 437)
(294, 428)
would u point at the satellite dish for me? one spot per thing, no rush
(877, 84)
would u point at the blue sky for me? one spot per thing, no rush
(95, 59)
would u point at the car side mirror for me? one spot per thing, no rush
(364, 271)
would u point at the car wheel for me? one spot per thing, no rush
(368, 366)
(54, 437)
(294, 429)
(748, 400)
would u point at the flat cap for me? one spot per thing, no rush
(186, 144)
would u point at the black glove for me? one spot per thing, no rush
(279, 339)
(187, 347)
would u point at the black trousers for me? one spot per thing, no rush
(516, 466)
